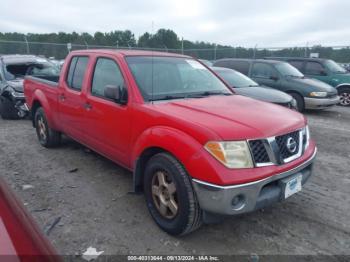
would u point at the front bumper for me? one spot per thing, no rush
(238, 199)
(320, 103)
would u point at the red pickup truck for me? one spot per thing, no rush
(196, 149)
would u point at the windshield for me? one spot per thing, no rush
(334, 67)
(235, 79)
(13, 71)
(160, 78)
(286, 69)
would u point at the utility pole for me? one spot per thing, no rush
(255, 51)
(305, 53)
(182, 45)
(215, 47)
(27, 44)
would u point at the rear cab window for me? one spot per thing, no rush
(76, 72)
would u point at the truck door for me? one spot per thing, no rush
(109, 123)
(71, 98)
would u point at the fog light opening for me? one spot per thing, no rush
(238, 202)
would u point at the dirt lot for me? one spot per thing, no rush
(90, 195)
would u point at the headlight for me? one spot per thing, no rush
(318, 94)
(17, 94)
(233, 154)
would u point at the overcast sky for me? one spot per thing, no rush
(266, 23)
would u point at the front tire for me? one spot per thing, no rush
(7, 109)
(46, 136)
(170, 197)
(300, 101)
(344, 94)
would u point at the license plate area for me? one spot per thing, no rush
(292, 185)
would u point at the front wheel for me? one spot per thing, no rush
(46, 136)
(344, 94)
(300, 101)
(170, 197)
(7, 109)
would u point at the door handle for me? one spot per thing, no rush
(62, 97)
(87, 106)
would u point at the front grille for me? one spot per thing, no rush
(279, 149)
(259, 152)
(282, 144)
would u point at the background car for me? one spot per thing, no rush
(13, 69)
(309, 93)
(245, 86)
(325, 70)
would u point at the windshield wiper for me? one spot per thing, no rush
(167, 97)
(209, 93)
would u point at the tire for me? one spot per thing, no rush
(7, 109)
(300, 101)
(46, 136)
(344, 94)
(188, 216)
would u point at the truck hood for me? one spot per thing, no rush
(265, 94)
(314, 84)
(234, 117)
(16, 84)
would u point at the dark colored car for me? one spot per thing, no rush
(308, 93)
(13, 68)
(325, 70)
(245, 86)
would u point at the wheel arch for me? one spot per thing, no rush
(161, 139)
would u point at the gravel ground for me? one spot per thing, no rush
(91, 197)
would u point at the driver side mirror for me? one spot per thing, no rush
(275, 78)
(118, 94)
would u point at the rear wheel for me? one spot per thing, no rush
(300, 101)
(344, 94)
(170, 197)
(47, 136)
(7, 109)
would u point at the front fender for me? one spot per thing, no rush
(192, 155)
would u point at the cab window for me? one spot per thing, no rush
(106, 73)
(76, 72)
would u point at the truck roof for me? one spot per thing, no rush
(127, 52)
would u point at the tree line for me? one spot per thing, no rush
(55, 45)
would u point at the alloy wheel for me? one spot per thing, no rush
(164, 194)
(345, 99)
